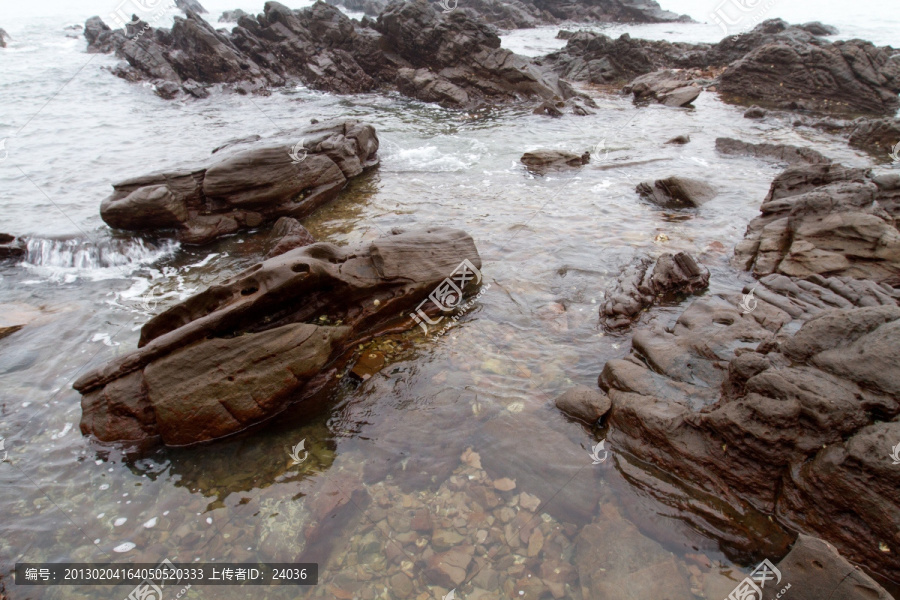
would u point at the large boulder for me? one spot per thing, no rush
(826, 219)
(243, 350)
(245, 184)
(668, 87)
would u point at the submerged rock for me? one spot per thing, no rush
(542, 161)
(245, 184)
(241, 351)
(287, 234)
(676, 192)
(583, 403)
(640, 286)
(781, 152)
(825, 219)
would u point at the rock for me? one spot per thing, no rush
(781, 152)
(680, 139)
(668, 87)
(878, 136)
(287, 234)
(616, 562)
(449, 569)
(11, 246)
(245, 185)
(755, 112)
(505, 484)
(232, 16)
(817, 28)
(676, 192)
(516, 14)
(15, 316)
(241, 351)
(639, 287)
(413, 48)
(584, 403)
(3, 37)
(814, 569)
(190, 5)
(825, 219)
(783, 402)
(542, 161)
(841, 77)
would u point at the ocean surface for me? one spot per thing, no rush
(550, 246)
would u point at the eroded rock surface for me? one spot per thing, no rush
(826, 219)
(238, 353)
(645, 283)
(287, 234)
(780, 152)
(245, 184)
(413, 48)
(668, 87)
(676, 192)
(878, 136)
(782, 402)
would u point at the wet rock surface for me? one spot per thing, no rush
(543, 161)
(676, 192)
(780, 152)
(241, 351)
(246, 184)
(413, 48)
(583, 403)
(779, 406)
(826, 219)
(645, 283)
(668, 87)
(287, 234)
(878, 136)
(11, 246)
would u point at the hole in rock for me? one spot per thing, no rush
(249, 290)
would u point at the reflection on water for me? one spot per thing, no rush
(451, 462)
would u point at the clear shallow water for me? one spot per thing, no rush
(550, 246)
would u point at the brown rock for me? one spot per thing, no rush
(584, 403)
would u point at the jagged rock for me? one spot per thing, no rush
(774, 403)
(246, 184)
(542, 161)
(241, 351)
(515, 14)
(639, 287)
(781, 152)
(680, 139)
(671, 88)
(825, 219)
(232, 16)
(11, 246)
(448, 58)
(287, 234)
(676, 192)
(755, 112)
(878, 136)
(841, 77)
(584, 403)
(814, 569)
(190, 5)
